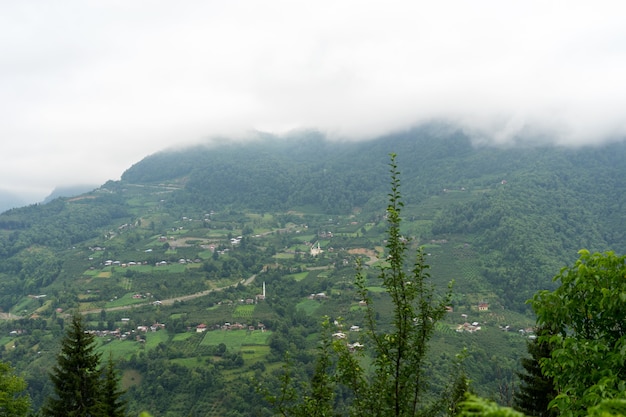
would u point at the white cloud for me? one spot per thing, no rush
(89, 87)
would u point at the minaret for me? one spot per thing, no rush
(263, 289)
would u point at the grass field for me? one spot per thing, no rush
(154, 338)
(243, 312)
(235, 339)
(299, 276)
(118, 348)
(180, 337)
(254, 353)
(130, 377)
(26, 303)
(308, 306)
(125, 348)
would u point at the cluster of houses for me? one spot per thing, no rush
(130, 264)
(342, 335)
(201, 328)
(527, 332)
(129, 334)
(138, 296)
(468, 327)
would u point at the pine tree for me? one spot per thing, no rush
(76, 377)
(537, 389)
(114, 406)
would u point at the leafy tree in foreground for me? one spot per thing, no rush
(588, 313)
(397, 384)
(13, 401)
(479, 407)
(76, 377)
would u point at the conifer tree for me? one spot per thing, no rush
(537, 389)
(76, 377)
(114, 405)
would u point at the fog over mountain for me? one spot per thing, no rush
(9, 200)
(87, 89)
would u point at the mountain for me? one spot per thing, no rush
(190, 238)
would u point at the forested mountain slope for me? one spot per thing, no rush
(530, 210)
(214, 223)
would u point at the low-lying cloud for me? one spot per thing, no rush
(88, 88)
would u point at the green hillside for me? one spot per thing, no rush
(170, 263)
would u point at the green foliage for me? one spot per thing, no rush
(479, 407)
(587, 316)
(13, 401)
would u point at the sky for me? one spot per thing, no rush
(88, 88)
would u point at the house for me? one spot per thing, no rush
(354, 346)
(483, 307)
(201, 328)
(470, 328)
(318, 296)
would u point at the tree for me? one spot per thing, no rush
(13, 401)
(479, 407)
(398, 382)
(536, 389)
(588, 314)
(114, 406)
(76, 377)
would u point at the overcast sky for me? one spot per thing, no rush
(87, 88)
